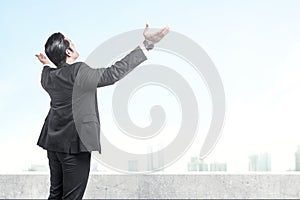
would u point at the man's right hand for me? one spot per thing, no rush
(43, 59)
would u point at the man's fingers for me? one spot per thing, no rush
(38, 56)
(146, 28)
(162, 32)
(42, 58)
(166, 30)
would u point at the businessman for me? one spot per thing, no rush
(68, 152)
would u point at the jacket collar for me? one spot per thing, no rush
(62, 65)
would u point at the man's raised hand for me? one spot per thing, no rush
(43, 59)
(156, 36)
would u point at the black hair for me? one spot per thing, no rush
(55, 48)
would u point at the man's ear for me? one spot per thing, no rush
(68, 52)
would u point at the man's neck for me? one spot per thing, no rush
(70, 61)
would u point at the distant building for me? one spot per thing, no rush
(149, 158)
(155, 161)
(193, 165)
(260, 162)
(94, 167)
(297, 159)
(160, 157)
(197, 164)
(133, 165)
(218, 166)
(202, 166)
(38, 168)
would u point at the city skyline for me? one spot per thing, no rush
(259, 162)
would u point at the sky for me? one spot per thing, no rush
(255, 46)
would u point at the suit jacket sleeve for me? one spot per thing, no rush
(90, 78)
(44, 76)
(112, 74)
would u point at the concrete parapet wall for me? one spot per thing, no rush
(208, 186)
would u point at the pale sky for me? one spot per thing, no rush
(255, 46)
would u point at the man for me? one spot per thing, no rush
(70, 136)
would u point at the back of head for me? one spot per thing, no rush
(55, 48)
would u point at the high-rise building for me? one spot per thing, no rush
(297, 159)
(160, 157)
(155, 159)
(260, 162)
(253, 163)
(149, 158)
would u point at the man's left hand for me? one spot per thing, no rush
(156, 36)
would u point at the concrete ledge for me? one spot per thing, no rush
(205, 186)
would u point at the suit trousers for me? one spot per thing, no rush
(68, 174)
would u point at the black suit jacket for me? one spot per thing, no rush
(73, 124)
